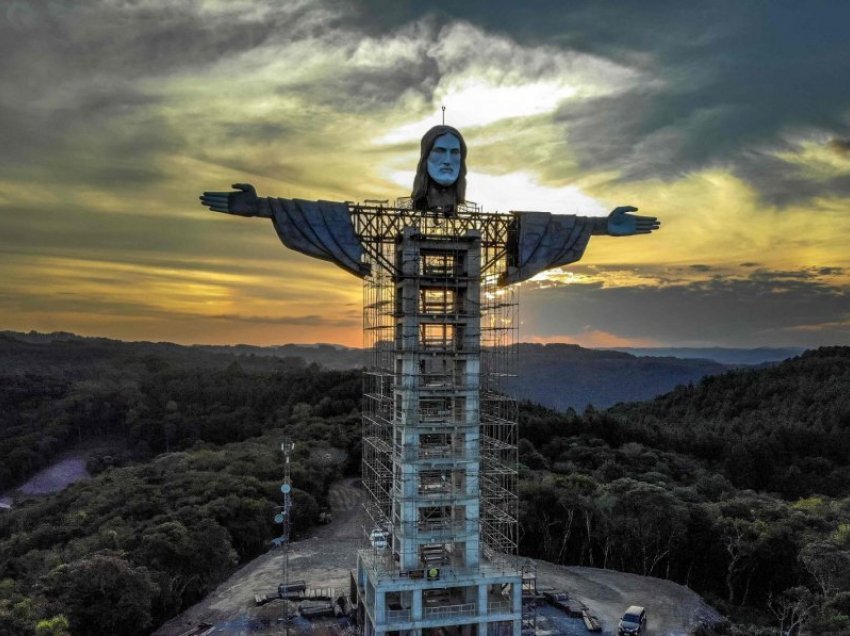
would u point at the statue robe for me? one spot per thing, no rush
(324, 229)
(541, 241)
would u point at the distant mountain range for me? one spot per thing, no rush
(330, 356)
(559, 376)
(724, 355)
(563, 376)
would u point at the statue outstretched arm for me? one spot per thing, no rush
(243, 202)
(541, 241)
(322, 229)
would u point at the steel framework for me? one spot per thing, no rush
(379, 229)
(439, 431)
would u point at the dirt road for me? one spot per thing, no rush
(323, 560)
(326, 558)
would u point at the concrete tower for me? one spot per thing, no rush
(439, 461)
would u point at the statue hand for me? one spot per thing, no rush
(621, 223)
(244, 202)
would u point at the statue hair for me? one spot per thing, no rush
(423, 180)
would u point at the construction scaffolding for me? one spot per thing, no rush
(440, 359)
(439, 433)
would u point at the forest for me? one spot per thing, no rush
(738, 486)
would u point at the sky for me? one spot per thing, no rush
(730, 121)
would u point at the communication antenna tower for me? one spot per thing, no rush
(444, 115)
(284, 517)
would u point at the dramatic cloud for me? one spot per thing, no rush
(728, 120)
(764, 308)
(722, 85)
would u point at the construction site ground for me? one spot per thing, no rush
(326, 557)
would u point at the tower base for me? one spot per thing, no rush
(437, 601)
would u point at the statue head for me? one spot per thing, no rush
(444, 160)
(441, 173)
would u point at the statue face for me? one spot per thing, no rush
(444, 159)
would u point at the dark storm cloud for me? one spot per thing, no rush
(60, 148)
(760, 309)
(83, 79)
(729, 83)
(364, 89)
(114, 37)
(781, 182)
(71, 126)
(728, 101)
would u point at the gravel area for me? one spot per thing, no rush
(326, 558)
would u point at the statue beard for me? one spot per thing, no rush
(439, 196)
(428, 194)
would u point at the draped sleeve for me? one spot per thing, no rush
(322, 229)
(539, 241)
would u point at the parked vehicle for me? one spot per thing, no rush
(378, 538)
(633, 621)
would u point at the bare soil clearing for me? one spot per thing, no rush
(326, 558)
(52, 479)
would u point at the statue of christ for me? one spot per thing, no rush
(323, 229)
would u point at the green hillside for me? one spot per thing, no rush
(184, 492)
(783, 429)
(737, 487)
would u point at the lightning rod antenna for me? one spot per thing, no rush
(444, 115)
